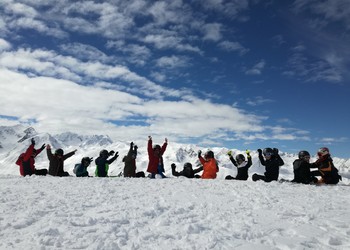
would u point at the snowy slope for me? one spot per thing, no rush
(45, 212)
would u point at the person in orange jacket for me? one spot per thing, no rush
(210, 166)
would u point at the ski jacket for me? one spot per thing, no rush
(187, 172)
(302, 173)
(210, 168)
(242, 169)
(80, 170)
(327, 170)
(130, 163)
(271, 167)
(155, 160)
(26, 161)
(56, 165)
(102, 165)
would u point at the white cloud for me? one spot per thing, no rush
(258, 100)
(233, 46)
(212, 32)
(172, 62)
(256, 69)
(4, 45)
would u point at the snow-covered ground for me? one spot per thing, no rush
(45, 212)
(174, 213)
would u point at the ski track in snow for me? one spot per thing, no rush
(174, 213)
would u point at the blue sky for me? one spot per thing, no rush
(239, 74)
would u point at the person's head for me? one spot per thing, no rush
(240, 158)
(304, 155)
(104, 153)
(156, 149)
(323, 152)
(59, 152)
(86, 161)
(268, 153)
(188, 165)
(209, 154)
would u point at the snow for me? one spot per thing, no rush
(175, 213)
(45, 212)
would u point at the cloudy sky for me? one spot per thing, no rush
(238, 73)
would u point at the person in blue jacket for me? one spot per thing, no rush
(102, 162)
(80, 169)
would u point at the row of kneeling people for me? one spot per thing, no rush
(268, 157)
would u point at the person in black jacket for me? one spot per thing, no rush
(187, 171)
(102, 162)
(241, 164)
(326, 169)
(301, 169)
(272, 161)
(56, 165)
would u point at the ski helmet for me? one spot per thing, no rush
(323, 152)
(86, 161)
(187, 165)
(104, 153)
(59, 152)
(240, 157)
(156, 147)
(268, 151)
(303, 153)
(209, 154)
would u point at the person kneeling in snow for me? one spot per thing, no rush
(26, 161)
(130, 163)
(301, 169)
(80, 169)
(326, 169)
(187, 171)
(241, 164)
(56, 166)
(210, 166)
(272, 162)
(102, 162)
(155, 156)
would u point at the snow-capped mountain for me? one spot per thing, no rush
(16, 139)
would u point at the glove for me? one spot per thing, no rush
(275, 151)
(131, 144)
(173, 166)
(259, 151)
(116, 154)
(247, 152)
(32, 141)
(199, 153)
(43, 146)
(229, 153)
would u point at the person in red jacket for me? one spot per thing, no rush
(26, 161)
(155, 156)
(210, 166)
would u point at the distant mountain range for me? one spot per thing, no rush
(15, 139)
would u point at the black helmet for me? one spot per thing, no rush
(268, 151)
(156, 147)
(303, 153)
(86, 161)
(187, 165)
(209, 154)
(59, 151)
(104, 153)
(240, 157)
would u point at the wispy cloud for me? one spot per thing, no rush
(258, 100)
(256, 69)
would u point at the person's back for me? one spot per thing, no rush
(210, 167)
